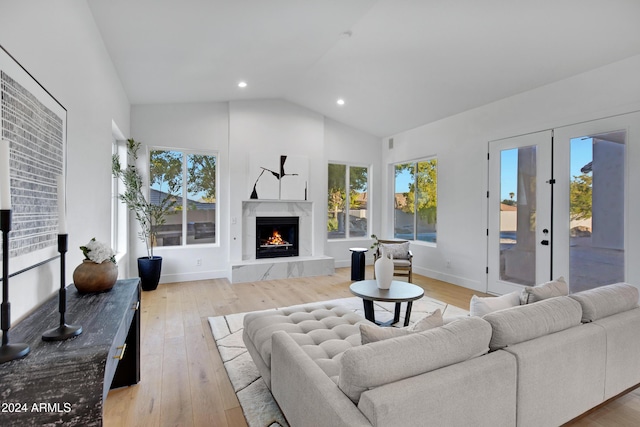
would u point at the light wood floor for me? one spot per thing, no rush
(183, 381)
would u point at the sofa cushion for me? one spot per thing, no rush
(396, 250)
(374, 333)
(479, 306)
(372, 365)
(606, 301)
(526, 322)
(324, 332)
(554, 288)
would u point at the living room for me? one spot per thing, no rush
(61, 45)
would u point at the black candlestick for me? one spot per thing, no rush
(8, 351)
(63, 331)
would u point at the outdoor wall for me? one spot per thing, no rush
(343, 144)
(608, 195)
(460, 143)
(59, 44)
(200, 126)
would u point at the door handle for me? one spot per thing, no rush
(545, 243)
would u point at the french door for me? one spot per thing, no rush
(560, 205)
(519, 230)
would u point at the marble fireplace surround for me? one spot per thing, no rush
(270, 208)
(251, 269)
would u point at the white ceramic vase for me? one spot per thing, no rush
(384, 270)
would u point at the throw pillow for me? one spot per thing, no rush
(397, 250)
(480, 306)
(430, 321)
(554, 288)
(373, 333)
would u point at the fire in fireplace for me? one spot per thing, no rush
(276, 236)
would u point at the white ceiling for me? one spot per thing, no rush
(407, 62)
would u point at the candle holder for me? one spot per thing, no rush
(63, 331)
(8, 352)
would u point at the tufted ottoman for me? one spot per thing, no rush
(323, 331)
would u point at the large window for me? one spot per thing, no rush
(347, 216)
(416, 200)
(190, 178)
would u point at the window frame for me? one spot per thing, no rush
(185, 153)
(415, 163)
(348, 166)
(119, 212)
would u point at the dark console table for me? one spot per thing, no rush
(66, 382)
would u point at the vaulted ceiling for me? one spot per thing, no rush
(397, 64)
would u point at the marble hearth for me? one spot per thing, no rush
(306, 264)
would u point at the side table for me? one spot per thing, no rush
(66, 382)
(357, 263)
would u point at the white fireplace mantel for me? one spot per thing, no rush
(306, 264)
(251, 209)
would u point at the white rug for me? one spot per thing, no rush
(258, 405)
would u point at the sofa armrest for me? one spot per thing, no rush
(304, 392)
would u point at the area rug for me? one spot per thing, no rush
(258, 405)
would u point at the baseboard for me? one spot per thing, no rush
(190, 277)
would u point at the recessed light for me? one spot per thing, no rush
(242, 84)
(340, 101)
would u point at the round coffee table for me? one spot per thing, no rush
(398, 292)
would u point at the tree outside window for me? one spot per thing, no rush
(194, 218)
(416, 201)
(347, 214)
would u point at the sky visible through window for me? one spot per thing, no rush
(581, 154)
(403, 179)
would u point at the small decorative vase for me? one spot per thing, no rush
(384, 270)
(93, 277)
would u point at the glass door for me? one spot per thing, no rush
(591, 197)
(561, 203)
(519, 196)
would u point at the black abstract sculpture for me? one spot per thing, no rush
(279, 176)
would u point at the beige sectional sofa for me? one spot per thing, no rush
(540, 364)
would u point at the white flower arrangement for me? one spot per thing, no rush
(98, 252)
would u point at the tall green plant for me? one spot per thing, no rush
(150, 216)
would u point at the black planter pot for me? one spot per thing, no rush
(149, 271)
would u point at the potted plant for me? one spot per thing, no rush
(149, 215)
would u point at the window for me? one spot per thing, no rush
(347, 216)
(193, 220)
(416, 201)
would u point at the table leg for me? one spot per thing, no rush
(396, 313)
(368, 310)
(408, 314)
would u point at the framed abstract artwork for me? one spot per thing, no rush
(278, 177)
(34, 124)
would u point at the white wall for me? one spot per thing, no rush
(460, 143)
(343, 144)
(59, 44)
(236, 130)
(200, 126)
(281, 128)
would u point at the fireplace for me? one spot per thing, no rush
(277, 236)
